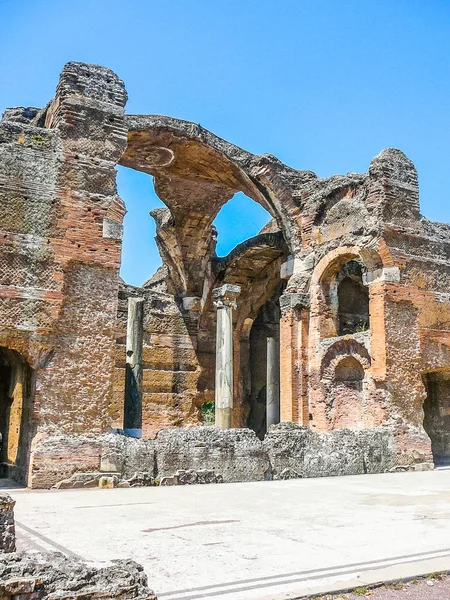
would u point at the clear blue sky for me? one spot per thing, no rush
(322, 84)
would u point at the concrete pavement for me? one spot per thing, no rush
(253, 541)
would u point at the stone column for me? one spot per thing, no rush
(273, 383)
(133, 373)
(294, 329)
(224, 300)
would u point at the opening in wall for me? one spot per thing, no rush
(265, 326)
(239, 219)
(352, 299)
(140, 255)
(437, 414)
(15, 414)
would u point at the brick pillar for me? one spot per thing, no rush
(87, 114)
(294, 326)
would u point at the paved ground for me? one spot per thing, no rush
(253, 541)
(431, 588)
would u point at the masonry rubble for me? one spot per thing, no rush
(54, 576)
(348, 279)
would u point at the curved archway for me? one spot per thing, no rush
(344, 349)
(371, 258)
(195, 175)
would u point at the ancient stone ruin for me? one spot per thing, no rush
(335, 318)
(31, 575)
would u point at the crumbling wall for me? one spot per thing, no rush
(235, 454)
(57, 459)
(209, 454)
(296, 451)
(64, 312)
(60, 245)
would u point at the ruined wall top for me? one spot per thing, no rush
(196, 172)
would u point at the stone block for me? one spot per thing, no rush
(108, 481)
(128, 455)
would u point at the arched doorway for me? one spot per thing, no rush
(15, 417)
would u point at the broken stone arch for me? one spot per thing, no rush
(203, 173)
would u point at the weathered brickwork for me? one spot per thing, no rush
(348, 278)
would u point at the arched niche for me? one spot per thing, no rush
(340, 303)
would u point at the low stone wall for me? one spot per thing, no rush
(78, 461)
(234, 454)
(207, 454)
(7, 527)
(53, 576)
(295, 451)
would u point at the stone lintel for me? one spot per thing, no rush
(290, 301)
(226, 295)
(387, 274)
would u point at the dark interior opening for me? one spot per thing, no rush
(437, 415)
(15, 378)
(266, 324)
(353, 300)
